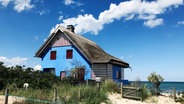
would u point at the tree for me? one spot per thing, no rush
(156, 80)
(16, 76)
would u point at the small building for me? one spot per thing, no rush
(65, 50)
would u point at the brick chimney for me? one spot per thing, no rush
(70, 28)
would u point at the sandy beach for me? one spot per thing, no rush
(11, 100)
(117, 99)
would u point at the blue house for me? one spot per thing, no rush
(64, 52)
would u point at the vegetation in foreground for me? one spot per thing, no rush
(15, 77)
(66, 94)
(42, 85)
(156, 80)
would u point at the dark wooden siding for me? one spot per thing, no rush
(102, 70)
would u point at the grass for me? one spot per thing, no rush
(69, 94)
(144, 92)
(83, 94)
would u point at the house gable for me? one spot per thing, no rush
(61, 40)
(59, 44)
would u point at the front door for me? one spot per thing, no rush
(62, 74)
(81, 73)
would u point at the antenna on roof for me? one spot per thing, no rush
(70, 28)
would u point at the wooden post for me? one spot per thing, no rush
(174, 92)
(55, 96)
(121, 89)
(141, 94)
(87, 82)
(99, 83)
(6, 96)
(79, 94)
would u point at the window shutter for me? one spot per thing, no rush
(69, 54)
(53, 55)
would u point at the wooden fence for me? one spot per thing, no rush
(131, 92)
(56, 101)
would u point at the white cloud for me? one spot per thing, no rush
(130, 56)
(83, 24)
(60, 18)
(129, 17)
(82, 10)
(44, 40)
(36, 38)
(128, 10)
(181, 23)
(43, 12)
(13, 61)
(4, 2)
(122, 57)
(153, 23)
(37, 67)
(79, 4)
(146, 17)
(68, 2)
(21, 5)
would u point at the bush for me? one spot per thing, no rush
(18, 75)
(182, 94)
(144, 92)
(156, 80)
(109, 85)
(69, 94)
(70, 80)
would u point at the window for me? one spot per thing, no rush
(53, 55)
(118, 74)
(62, 74)
(69, 54)
(49, 70)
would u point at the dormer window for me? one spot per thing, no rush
(69, 54)
(53, 55)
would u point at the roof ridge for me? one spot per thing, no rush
(63, 29)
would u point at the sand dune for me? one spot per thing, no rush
(117, 99)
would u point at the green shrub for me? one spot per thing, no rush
(41, 87)
(70, 80)
(156, 80)
(182, 94)
(82, 94)
(18, 75)
(144, 92)
(109, 85)
(67, 94)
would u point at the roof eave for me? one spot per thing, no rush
(121, 63)
(45, 45)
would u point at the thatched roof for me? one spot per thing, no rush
(88, 48)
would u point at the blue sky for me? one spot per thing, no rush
(148, 34)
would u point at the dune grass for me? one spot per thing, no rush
(68, 94)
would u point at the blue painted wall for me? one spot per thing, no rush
(115, 69)
(63, 64)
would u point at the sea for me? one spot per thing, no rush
(167, 86)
